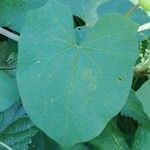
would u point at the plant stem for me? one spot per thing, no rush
(9, 34)
(130, 11)
(4, 145)
(144, 27)
(135, 82)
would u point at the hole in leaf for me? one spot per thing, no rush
(78, 22)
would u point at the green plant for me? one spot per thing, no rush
(81, 72)
(145, 4)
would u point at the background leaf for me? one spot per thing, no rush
(122, 7)
(111, 137)
(8, 86)
(8, 54)
(16, 129)
(42, 142)
(13, 12)
(144, 96)
(133, 108)
(8, 91)
(142, 138)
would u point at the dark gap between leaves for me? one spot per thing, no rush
(138, 81)
(4, 38)
(127, 124)
(13, 31)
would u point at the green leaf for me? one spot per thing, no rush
(133, 108)
(8, 86)
(70, 81)
(8, 54)
(13, 12)
(80, 147)
(8, 91)
(122, 7)
(144, 96)
(86, 10)
(16, 129)
(111, 137)
(42, 142)
(35, 3)
(142, 139)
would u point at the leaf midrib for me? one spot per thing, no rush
(71, 86)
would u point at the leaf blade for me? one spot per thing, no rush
(80, 75)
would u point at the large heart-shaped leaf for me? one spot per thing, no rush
(66, 86)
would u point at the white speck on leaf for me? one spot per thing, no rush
(38, 75)
(37, 62)
(105, 104)
(52, 100)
